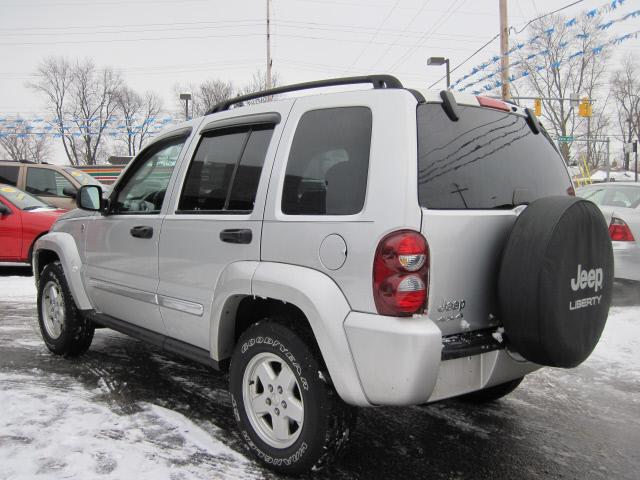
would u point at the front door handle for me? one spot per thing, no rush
(142, 232)
(236, 235)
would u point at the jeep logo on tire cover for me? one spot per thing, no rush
(587, 279)
(591, 279)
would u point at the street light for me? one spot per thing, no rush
(440, 61)
(186, 97)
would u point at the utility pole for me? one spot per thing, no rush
(269, 62)
(504, 48)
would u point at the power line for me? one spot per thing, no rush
(375, 35)
(496, 36)
(466, 59)
(543, 16)
(452, 9)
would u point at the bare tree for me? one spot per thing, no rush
(258, 83)
(21, 143)
(139, 113)
(205, 95)
(55, 75)
(81, 99)
(625, 88)
(572, 63)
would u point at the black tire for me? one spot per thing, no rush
(555, 281)
(75, 332)
(327, 420)
(492, 394)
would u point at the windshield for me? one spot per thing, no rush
(82, 177)
(22, 200)
(627, 196)
(487, 159)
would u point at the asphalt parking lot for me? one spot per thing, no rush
(125, 410)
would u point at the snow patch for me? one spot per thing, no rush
(18, 289)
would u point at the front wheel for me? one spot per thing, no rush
(64, 330)
(289, 416)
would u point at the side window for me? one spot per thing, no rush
(42, 181)
(145, 188)
(9, 174)
(328, 163)
(225, 171)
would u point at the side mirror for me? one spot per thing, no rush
(4, 210)
(70, 191)
(89, 197)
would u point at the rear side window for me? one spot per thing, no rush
(9, 174)
(41, 181)
(328, 163)
(487, 159)
(224, 174)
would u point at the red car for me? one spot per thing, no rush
(23, 218)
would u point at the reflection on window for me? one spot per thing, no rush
(487, 159)
(225, 171)
(144, 191)
(328, 163)
(41, 181)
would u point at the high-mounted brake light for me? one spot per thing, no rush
(401, 273)
(493, 103)
(619, 231)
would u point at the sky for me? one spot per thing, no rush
(156, 44)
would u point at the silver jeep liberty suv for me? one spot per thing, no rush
(346, 249)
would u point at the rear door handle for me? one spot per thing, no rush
(236, 235)
(142, 232)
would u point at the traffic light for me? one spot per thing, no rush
(537, 107)
(585, 109)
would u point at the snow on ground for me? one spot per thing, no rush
(620, 341)
(17, 289)
(53, 426)
(62, 432)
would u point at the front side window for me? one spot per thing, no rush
(42, 181)
(145, 188)
(9, 174)
(328, 164)
(224, 174)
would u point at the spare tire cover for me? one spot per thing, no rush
(555, 281)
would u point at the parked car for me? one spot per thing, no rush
(53, 184)
(23, 219)
(620, 203)
(338, 250)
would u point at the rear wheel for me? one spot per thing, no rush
(64, 330)
(289, 416)
(492, 393)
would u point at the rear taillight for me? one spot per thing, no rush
(401, 274)
(619, 231)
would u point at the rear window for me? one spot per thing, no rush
(487, 159)
(627, 196)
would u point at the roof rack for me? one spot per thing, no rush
(378, 81)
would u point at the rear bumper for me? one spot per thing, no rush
(626, 257)
(400, 361)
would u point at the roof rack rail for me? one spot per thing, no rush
(378, 81)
